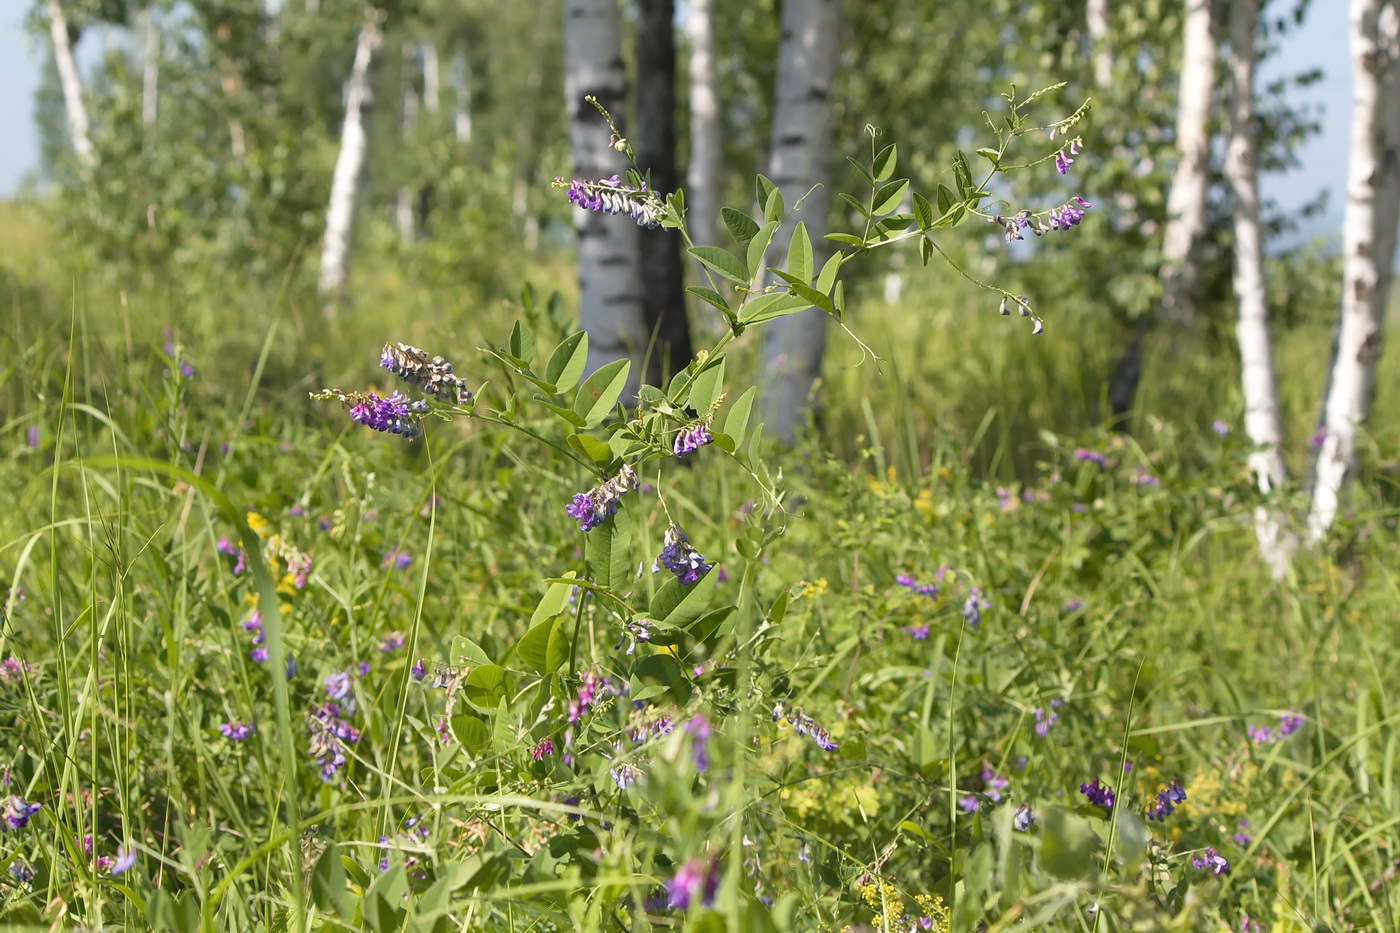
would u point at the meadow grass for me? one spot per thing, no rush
(1130, 634)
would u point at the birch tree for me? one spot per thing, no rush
(610, 291)
(1261, 417)
(408, 125)
(71, 84)
(800, 165)
(345, 182)
(702, 175)
(1096, 20)
(1368, 247)
(654, 142)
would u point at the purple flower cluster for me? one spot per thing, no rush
(930, 590)
(700, 731)
(1062, 158)
(12, 670)
(21, 871)
(1044, 719)
(973, 606)
(254, 625)
(1084, 455)
(18, 811)
(398, 560)
(1243, 838)
(542, 749)
(330, 731)
(611, 196)
(227, 547)
(1098, 794)
(1288, 723)
(590, 509)
(696, 882)
(391, 642)
(691, 439)
(1166, 801)
(992, 786)
(236, 731)
(1023, 818)
(1211, 859)
(624, 775)
(395, 414)
(590, 689)
(803, 724)
(680, 557)
(432, 375)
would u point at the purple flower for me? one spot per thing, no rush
(590, 509)
(13, 669)
(395, 414)
(236, 731)
(31, 437)
(364, 668)
(1098, 794)
(923, 589)
(384, 859)
(1044, 720)
(1243, 838)
(972, 608)
(418, 671)
(1023, 818)
(329, 736)
(969, 803)
(291, 665)
(1211, 859)
(399, 560)
(992, 783)
(1166, 801)
(917, 632)
(259, 655)
(700, 731)
(1318, 437)
(22, 871)
(681, 558)
(1290, 722)
(339, 687)
(696, 881)
(126, 859)
(624, 776)
(611, 196)
(1084, 455)
(18, 811)
(1260, 734)
(1220, 427)
(691, 439)
(1074, 605)
(545, 747)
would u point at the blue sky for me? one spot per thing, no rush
(1322, 42)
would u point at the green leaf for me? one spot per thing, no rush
(756, 449)
(380, 905)
(592, 448)
(568, 414)
(888, 198)
(864, 172)
(859, 207)
(522, 342)
(487, 682)
(773, 207)
(850, 238)
(468, 651)
(1131, 840)
(722, 262)
(736, 420)
(991, 155)
(558, 651)
(799, 259)
(828, 275)
(923, 211)
(772, 306)
(471, 731)
(608, 555)
(503, 734)
(741, 226)
(1067, 844)
(600, 391)
(811, 296)
(946, 200)
(553, 601)
(706, 388)
(884, 162)
(678, 606)
(533, 648)
(709, 296)
(962, 175)
(763, 190)
(925, 249)
(664, 670)
(566, 363)
(328, 891)
(758, 246)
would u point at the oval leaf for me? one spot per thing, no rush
(600, 391)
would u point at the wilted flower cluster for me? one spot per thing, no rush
(1023, 818)
(432, 375)
(329, 728)
(611, 196)
(691, 439)
(803, 724)
(590, 509)
(1037, 325)
(1098, 794)
(680, 557)
(1166, 801)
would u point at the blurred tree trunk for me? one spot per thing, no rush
(610, 289)
(1186, 200)
(799, 163)
(462, 113)
(1096, 18)
(1261, 407)
(150, 70)
(654, 143)
(345, 182)
(71, 84)
(1369, 239)
(403, 208)
(432, 82)
(702, 176)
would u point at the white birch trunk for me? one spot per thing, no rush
(1186, 201)
(1261, 407)
(72, 85)
(1096, 19)
(610, 291)
(702, 175)
(799, 162)
(1368, 246)
(403, 208)
(340, 214)
(432, 94)
(150, 70)
(462, 115)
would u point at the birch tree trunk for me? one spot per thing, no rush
(340, 214)
(71, 84)
(403, 208)
(610, 290)
(432, 82)
(799, 162)
(1261, 407)
(1097, 21)
(654, 143)
(702, 176)
(1186, 201)
(150, 70)
(1368, 246)
(462, 114)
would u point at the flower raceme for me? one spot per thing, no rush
(590, 509)
(612, 196)
(680, 557)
